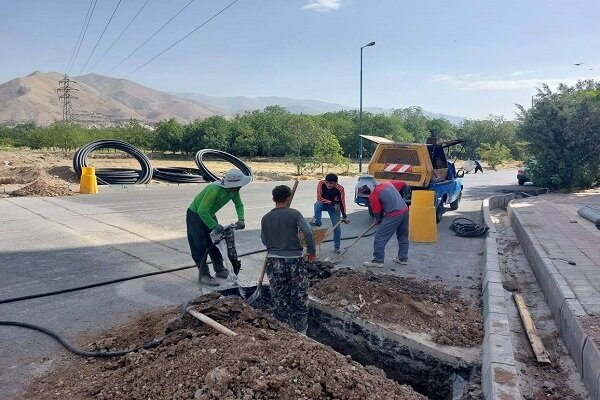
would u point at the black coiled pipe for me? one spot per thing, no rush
(239, 164)
(115, 176)
(468, 229)
(179, 175)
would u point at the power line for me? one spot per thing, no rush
(100, 38)
(86, 24)
(120, 34)
(80, 33)
(150, 38)
(184, 37)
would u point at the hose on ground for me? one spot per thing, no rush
(83, 353)
(115, 176)
(179, 175)
(468, 229)
(239, 164)
(129, 278)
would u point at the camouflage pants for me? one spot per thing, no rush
(289, 289)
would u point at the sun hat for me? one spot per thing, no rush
(232, 179)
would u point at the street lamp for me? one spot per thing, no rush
(360, 140)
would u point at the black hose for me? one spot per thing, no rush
(468, 229)
(84, 353)
(133, 277)
(115, 176)
(179, 175)
(242, 166)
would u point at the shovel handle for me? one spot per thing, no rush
(358, 238)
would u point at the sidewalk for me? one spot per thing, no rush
(552, 234)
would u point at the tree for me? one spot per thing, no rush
(328, 151)
(135, 133)
(442, 129)
(494, 155)
(562, 130)
(415, 122)
(243, 139)
(169, 135)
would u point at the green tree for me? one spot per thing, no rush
(562, 130)
(415, 122)
(243, 139)
(441, 129)
(495, 154)
(328, 151)
(135, 133)
(168, 135)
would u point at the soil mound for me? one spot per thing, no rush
(43, 188)
(26, 174)
(414, 305)
(267, 360)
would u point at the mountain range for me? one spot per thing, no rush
(102, 100)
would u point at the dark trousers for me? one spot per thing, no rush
(199, 239)
(288, 278)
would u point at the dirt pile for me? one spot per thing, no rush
(413, 305)
(267, 360)
(41, 187)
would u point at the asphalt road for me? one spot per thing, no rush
(56, 243)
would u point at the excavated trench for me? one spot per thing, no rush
(435, 373)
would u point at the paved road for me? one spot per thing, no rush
(56, 243)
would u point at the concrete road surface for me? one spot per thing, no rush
(57, 243)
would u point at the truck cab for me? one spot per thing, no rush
(423, 166)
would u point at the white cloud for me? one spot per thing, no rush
(505, 84)
(323, 5)
(521, 73)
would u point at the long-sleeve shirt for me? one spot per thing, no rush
(385, 200)
(211, 199)
(279, 233)
(335, 195)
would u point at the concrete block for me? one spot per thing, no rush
(591, 368)
(491, 276)
(493, 304)
(497, 324)
(501, 383)
(494, 289)
(498, 349)
(493, 264)
(557, 292)
(572, 332)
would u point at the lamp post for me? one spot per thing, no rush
(360, 140)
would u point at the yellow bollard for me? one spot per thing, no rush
(88, 183)
(421, 221)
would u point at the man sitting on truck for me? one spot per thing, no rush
(331, 198)
(391, 214)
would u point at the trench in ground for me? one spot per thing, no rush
(429, 371)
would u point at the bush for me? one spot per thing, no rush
(494, 155)
(563, 134)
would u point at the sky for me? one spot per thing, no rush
(465, 58)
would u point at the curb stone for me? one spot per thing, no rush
(499, 379)
(564, 305)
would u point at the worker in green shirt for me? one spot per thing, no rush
(201, 221)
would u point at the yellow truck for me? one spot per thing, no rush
(423, 166)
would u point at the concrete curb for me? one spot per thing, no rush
(565, 307)
(499, 378)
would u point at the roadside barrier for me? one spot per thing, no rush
(422, 226)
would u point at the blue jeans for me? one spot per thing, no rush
(335, 217)
(385, 230)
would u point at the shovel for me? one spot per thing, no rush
(330, 263)
(257, 292)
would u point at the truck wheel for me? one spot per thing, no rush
(454, 204)
(439, 212)
(521, 182)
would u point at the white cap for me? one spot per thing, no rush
(232, 179)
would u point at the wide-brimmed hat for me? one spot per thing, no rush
(232, 179)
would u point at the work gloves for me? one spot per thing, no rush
(218, 229)
(240, 225)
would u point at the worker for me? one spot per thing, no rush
(331, 198)
(201, 221)
(286, 265)
(391, 214)
(477, 166)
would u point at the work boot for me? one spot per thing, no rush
(399, 261)
(373, 263)
(224, 273)
(337, 251)
(313, 222)
(208, 280)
